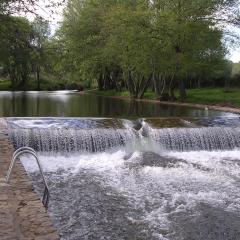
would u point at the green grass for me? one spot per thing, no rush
(210, 96)
(149, 95)
(5, 84)
(215, 96)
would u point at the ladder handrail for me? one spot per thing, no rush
(13, 163)
(23, 148)
(32, 152)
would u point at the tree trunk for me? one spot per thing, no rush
(183, 94)
(38, 78)
(144, 86)
(12, 78)
(156, 87)
(100, 82)
(131, 86)
(227, 84)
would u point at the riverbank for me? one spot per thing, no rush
(45, 85)
(209, 98)
(22, 215)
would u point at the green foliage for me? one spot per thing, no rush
(139, 44)
(39, 56)
(5, 84)
(15, 51)
(22, 50)
(236, 69)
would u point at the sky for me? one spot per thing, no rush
(53, 15)
(234, 49)
(235, 55)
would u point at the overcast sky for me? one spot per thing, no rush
(235, 55)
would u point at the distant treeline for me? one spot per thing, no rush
(133, 45)
(136, 45)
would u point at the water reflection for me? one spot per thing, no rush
(73, 104)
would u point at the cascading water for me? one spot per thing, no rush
(100, 139)
(72, 140)
(195, 139)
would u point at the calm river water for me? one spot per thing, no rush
(74, 104)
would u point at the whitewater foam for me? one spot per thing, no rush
(159, 194)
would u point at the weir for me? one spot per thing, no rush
(67, 140)
(150, 175)
(72, 140)
(195, 139)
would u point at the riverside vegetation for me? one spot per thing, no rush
(137, 48)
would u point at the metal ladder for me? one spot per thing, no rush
(28, 150)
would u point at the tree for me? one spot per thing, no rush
(15, 7)
(141, 44)
(41, 32)
(15, 50)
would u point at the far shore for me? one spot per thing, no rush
(219, 107)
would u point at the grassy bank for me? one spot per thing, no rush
(5, 84)
(215, 96)
(47, 83)
(209, 96)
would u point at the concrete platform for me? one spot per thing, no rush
(22, 215)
